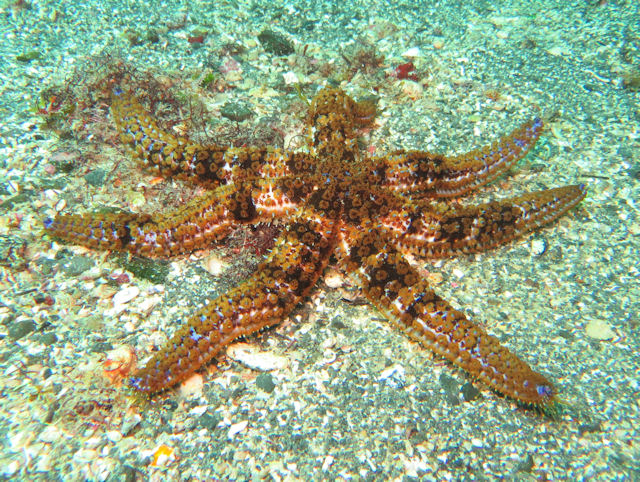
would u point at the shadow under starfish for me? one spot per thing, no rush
(331, 200)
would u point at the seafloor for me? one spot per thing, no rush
(333, 393)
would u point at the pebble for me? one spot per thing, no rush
(599, 330)
(394, 376)
(236, 428)
(412, 89)
(77, 265)
(84, 456)
(264, 381)
(20, 329)
(538, 246)
(129, 423)
(250, 356)
(438, 44)
(412, 52)
(96, 177)
(333, 279)
(214, 265)
(192, 386)
(125, 295)
(114, 436)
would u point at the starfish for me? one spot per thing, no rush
(332, 200)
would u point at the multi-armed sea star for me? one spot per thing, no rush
(332, 200)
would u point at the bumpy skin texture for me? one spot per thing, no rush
(368, 212)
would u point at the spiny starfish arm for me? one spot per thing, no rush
(196, 225)
(436, 230)
(426, 175)
(276, 287)
(332, 122)
(178, 157)
(396, 289)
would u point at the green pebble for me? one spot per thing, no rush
(275, 43)
(235, 112)
(96, 178)
(264, 381)
(20, 329)
(77, 265)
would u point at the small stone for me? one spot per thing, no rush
(412, 52)
(84, 456)
(438, 44)
(77, 265)
(589, 428)
(451, 388)
(96, 177)
(538, 246)
(264, 381)
(214, 264)
(250, 356)
(48, 339)
(20, 329)
(113, 436)
(599, 330)
(412, 89)
(275, 43)
(469, 392)
(192, 386)
(526, 465)
(333, 279)
(236, 428)
(209, 421)
(394, 376)
(129, 423)
(434, 278)
(125, 295)
(235, 111)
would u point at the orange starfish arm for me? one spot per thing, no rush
(397, 290)
(425, 175)
(209, 165)
(436, 230)
(196, 225)
(279, 283)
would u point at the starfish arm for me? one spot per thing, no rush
(209, 165)
(264, 299)
(396, 289)
(426, 175)
(436, 230)
(195, 225)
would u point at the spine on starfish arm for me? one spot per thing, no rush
(264, 299)
(397, 290)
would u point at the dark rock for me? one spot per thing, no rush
(101, 347)
(451, 388)
(96, 177)
(264, 381)
(235, 112)
(589, 428)
(77, 265)
(209, 420)
(48, 339)
(469, 392)
(526, 465)
(155, 270)
(20, 329)
(275, 43)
